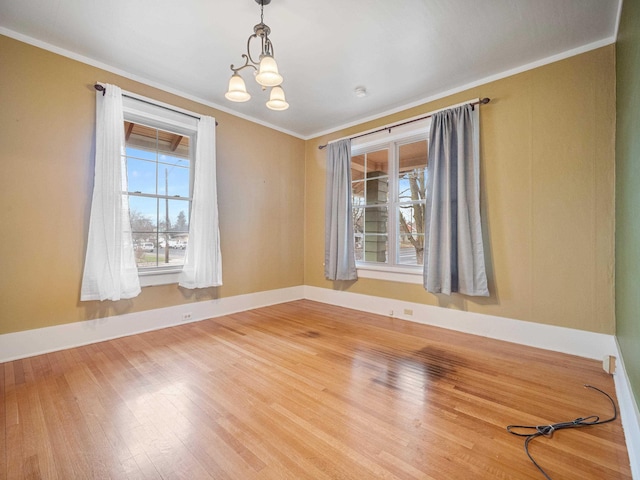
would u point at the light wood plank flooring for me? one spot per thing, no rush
(303, 391)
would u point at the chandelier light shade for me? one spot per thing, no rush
(268, 75)
(276, 99)
(237, 89)
(265, 69)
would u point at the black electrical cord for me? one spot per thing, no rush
(547, 430)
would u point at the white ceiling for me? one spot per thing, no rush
(402, 51)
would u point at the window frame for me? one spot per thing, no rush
(392, 140)
(157, 115)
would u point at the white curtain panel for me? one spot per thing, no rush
(454, 251)
(110, 271)
(339, 250)
(203, 261)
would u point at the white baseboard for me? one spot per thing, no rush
(43, 340)
(628, 413)
(28, 343)
(549, 337)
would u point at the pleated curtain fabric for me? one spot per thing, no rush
(454, 251)
(203, 260)
(339, 250)
(110, 271)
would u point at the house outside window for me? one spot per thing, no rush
(159, 155)
(389, 178)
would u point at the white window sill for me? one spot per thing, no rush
(158, 277)
(392, 274)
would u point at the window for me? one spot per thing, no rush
(158, 170)
(388, 196)
(160, 151)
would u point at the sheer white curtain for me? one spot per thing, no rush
(203, 261)
(339, 249)
(110, 271)
(454, 251)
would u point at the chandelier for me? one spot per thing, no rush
(265, 69)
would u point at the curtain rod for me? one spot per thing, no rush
(103, 89)
(482, 101)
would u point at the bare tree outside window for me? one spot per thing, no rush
(412, 217)
(412, 197)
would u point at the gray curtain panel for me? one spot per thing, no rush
(454, 252)
(339, 248)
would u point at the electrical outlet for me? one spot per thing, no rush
(408, 311)
(186, 317)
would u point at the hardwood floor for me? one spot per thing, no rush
(303, 391)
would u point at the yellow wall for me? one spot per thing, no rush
(547, 180)
(47, 121)
(547, 140)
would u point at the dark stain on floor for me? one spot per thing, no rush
(411, 370)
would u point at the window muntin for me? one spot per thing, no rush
(388, 197)
(159, 170)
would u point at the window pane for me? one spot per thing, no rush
(164, 223)
(173, 160)
(377, 191)
(172, 232)
(140, 153)
(357, 194)
(375, 248)
(358, 220)
(412, 185)
(375, 237)
(170, 253)
(143, 212)
(358, 228)
(412, 171)
(174, 181)
(179, 216)
(357, 167)
(153, 139)
(411, 218)
(377, 163)
(411, 249)
(411, 234)
(141, 176)
(375, 220)
(170, 244)
(169, 142)
(412, 156)
(359, 247)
